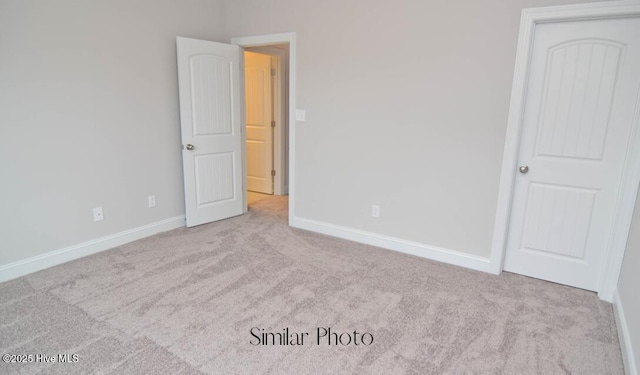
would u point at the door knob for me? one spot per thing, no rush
(190, 147)
(524, 169)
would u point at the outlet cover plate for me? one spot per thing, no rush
(97, 214)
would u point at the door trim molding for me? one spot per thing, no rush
(290, 39)
(624, 338)
(629, 188)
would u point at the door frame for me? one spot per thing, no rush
(631, 176)
(266, 40)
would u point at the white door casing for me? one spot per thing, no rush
(290, 39)
(574, 107)
(259, 114)
(210, 88)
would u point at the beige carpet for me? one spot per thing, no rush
(184, 302)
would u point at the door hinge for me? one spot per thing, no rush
(273, 173)
(273, 123)
(273, 72)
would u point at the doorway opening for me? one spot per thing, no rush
(282, 49)
(266, 104)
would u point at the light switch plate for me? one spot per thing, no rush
(301, 115)
(375, 211)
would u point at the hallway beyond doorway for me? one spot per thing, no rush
(253, 197)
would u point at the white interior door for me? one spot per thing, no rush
(211, 122)
(259, 116)
(582, 93)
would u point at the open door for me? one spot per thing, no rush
(210, 87)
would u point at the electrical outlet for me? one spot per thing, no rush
(97, 214)
(375, 211)
(152, 201)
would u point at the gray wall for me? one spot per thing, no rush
(89, 116)
(406, 108)
(407, 103)
(629, 282)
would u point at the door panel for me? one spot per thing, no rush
(210, 78)
(557, 221)
(259, 114)
(579, 90)
(210, 104)
(582, 93)
(214, 178)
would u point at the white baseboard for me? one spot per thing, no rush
(409, 247)
(53, 258)
(623, 335)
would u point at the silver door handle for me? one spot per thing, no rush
(524, 169)
(190, 147)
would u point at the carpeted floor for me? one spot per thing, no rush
(185, 302)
